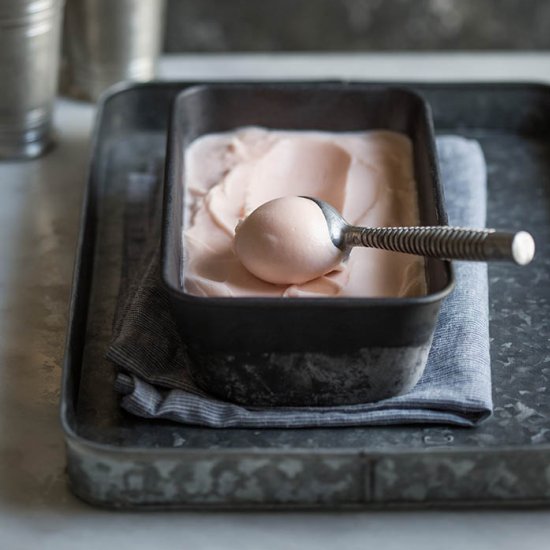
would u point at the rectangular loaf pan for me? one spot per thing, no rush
(303, 351)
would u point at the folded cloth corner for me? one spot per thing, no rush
(147, 349)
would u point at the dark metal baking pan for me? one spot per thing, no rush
(118, 460)
(303, 351)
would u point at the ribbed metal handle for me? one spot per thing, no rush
(448, 243)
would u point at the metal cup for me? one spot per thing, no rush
(29, 59)
(106, 41)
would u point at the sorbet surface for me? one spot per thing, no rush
(367, 176)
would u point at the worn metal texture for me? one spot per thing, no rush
(218, 479)
(118, 460)
(312, 379)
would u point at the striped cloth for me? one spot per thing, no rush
(152, 362)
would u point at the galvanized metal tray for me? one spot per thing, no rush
(117, 460)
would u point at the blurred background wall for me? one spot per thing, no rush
(360, 25)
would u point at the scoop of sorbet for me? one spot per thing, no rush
(286, 241)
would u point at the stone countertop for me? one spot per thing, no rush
(39, 213)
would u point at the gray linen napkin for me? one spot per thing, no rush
(153, 379)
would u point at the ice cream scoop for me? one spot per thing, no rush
(286, 241)
(444, 242)
(292, 240)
